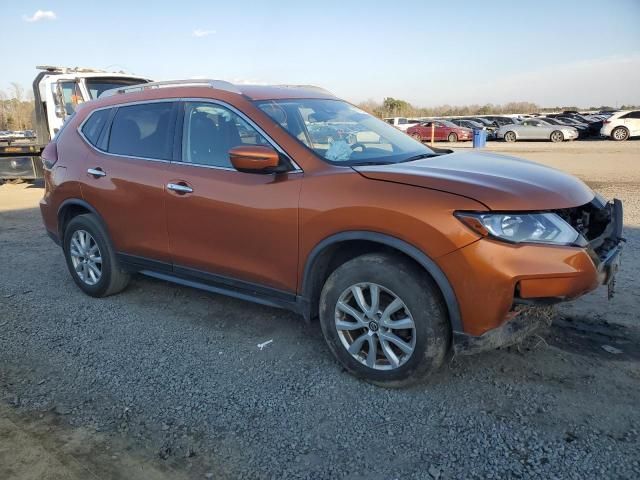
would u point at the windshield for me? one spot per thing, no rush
(97, 85)
(341, 133)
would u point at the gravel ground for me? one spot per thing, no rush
(179, 375)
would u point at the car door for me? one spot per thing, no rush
(226, 226)
(126, 171)
(632, 122)
(529, 130)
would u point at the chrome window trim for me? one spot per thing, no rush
(273, 143)
(244, 117)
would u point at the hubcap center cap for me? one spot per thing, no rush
(373, 326)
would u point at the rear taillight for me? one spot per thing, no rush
(50, 155)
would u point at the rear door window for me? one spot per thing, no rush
(143, 130)
(93, 126)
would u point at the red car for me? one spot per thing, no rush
(444, 131)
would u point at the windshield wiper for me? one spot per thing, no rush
(421, 156)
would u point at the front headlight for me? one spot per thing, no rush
(521, 227)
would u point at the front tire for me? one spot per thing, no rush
(620, 134)
(510, 137)
(557, 136)
(384, 320)
(417, 136)
(91, 258)
(453, 138)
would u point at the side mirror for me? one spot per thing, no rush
(60, 111)
(254, 159)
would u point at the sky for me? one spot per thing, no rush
(553, 53)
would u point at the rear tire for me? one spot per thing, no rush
(620, 134)
(453, 138)
(510, 137)
(557, 136)
(408, 341)
(93, 266)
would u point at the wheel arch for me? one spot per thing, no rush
(71, 208)
(318, 267)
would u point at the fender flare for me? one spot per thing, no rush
(81, 203)
(427, 263)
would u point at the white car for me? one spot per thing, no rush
(401, 123)
(622, 125)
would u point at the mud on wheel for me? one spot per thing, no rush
(384, 320)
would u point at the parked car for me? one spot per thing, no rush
(535, 129)
(484, 121)
(500, 120)
(444, 131)
(622, 125)
(404, 254)
(594, 125)
(401, 123)
(583, 130)
(472, 125)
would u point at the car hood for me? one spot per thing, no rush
(500, 182)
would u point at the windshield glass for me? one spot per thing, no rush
(97, 85)
(341, 133)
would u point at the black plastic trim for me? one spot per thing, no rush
(211, 282)
(429, 265)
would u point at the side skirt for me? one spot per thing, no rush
(213, 283)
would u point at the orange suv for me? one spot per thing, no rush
(290, 197)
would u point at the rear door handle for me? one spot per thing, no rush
(179, 188)
(96, 172)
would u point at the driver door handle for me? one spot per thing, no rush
(96, 172)
(179, 188)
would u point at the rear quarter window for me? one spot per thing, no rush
(143, 130)
(93, 126)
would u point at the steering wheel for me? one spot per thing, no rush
(358, 145)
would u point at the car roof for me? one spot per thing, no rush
(251, 92)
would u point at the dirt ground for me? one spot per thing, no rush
(584, 386)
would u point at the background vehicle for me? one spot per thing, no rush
(583, 130)
(57, 91)
(622, 125)
(473, 125)
(401, 123)
(444, 131)
(534, 129)
(500, 120)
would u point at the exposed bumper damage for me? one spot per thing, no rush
(532, 297)
(525, 320)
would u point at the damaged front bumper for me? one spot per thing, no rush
(523, 321)
(601, 224)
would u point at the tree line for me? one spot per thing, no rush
(394, 107)
(16, 108)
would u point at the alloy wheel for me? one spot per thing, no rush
(85, 257)
(620, 133)
(375, 326)
(557, 136)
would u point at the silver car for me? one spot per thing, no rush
(535, 129)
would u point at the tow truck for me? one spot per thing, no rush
(56, 92)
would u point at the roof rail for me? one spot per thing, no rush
(308, 87)
(217, 84)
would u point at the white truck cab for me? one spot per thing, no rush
(57, 91)
(61, 89)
